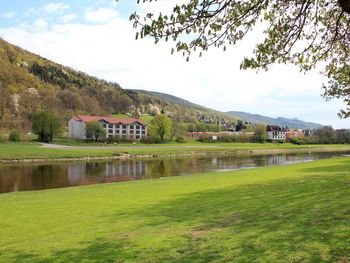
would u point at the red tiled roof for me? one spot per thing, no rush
(108, 119)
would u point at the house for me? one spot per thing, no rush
(275, 133)
(124, 128)
(201, 135)
(290, 134)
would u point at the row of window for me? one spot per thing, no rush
(138, 127)
(124, 132)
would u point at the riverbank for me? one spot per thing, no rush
(34, 152)
(277, 214)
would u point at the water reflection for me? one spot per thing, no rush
(26, 177)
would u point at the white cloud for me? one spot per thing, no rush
(110, 51)
(39, 25)
(101, 15)
(9, 14)
(54, 7)
(68, 18)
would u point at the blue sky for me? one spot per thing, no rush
(96, 37)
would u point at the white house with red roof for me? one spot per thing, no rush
(123, 128)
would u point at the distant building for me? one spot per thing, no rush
(124, 128)
(290, 134)
(200, 135)
(275, 133)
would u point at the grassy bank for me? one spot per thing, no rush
(24, 151)
(297, 213)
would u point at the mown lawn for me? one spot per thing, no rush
(20, 151)
(297, 213)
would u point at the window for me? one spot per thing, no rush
(137, 132)
(117, 131)
(143, 132)
(124, 131)
(138, 127)
(137, 137)
(131, 132)
(124, 126)
(144, 127)
(131, 126)
(117, 126)
(110, 131)
(110, 125)
(104, 125)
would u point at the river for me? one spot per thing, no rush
(39, 176)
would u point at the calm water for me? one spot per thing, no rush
(25, 177)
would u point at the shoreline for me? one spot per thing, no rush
(124, 156)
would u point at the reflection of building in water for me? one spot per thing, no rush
(76, 173)
(128, 168)
(276, 160)
(85, 173)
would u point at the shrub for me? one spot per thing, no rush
(296, 140)
(181, 139)
(14, 135)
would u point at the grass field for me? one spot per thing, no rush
(297, 213)
(20, 151)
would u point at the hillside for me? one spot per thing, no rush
(30, 83)
(176, 100)
(256, 118)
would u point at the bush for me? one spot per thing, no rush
(14, 135)
(181, 139)
(296, 140)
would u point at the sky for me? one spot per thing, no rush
(96, 37)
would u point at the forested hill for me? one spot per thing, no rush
(30, 83)
(173, 99)
(256, 118)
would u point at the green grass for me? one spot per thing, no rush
(297, 213)
(20, 151)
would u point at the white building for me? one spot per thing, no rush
(275, 133)
(124, 128)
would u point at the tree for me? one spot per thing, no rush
(46, 126)
(94, 130)
(326, 135)
(160, 126)
(260, 133)
(301, 32)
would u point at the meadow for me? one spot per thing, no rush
(295, 213)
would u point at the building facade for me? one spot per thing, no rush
(275, 133)
(129, 129)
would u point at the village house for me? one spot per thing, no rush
(123, 128)
(275, 133)
(290, 134)
(200, 135)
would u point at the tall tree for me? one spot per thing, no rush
(160, 126)
(94, 130)
(260, 133)
(46, 126)
(302, 32)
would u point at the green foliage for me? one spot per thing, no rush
(303, 33)
(95, 131)
(260, 134)
(160, 127)
(14, 135)
(46, 126)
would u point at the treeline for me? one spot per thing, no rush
(325, 135)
